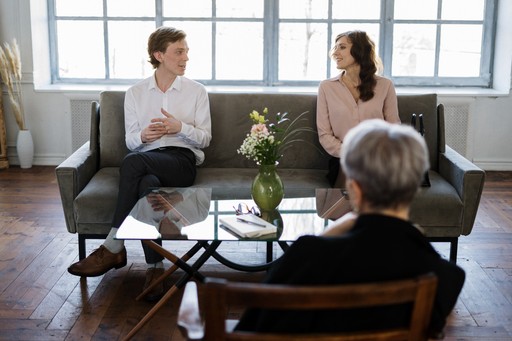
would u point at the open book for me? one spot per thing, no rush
(247, 225)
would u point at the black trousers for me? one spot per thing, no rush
(163, 167)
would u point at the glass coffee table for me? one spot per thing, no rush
(194, 214)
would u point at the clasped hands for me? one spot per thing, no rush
(160, 127)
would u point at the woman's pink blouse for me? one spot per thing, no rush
(337, 111)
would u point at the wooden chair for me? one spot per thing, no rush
(221, 294)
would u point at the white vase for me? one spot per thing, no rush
(25, 148)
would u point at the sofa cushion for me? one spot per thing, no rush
(231, 123)
(112, 145)
(439, 206)
(426, 105)
(95, 205)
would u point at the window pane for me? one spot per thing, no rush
(460, 51)
(81, 55)
(128, 54)
(301, 9)
(192, 9)
(79, 8)
(302, 51)
(416, 9)
(199, 40)
(239, 51)
(240, 9)
(371, 29)
(473, 10)
(414, 50)
(130, 8)
(361, 9)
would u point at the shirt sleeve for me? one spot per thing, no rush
(132, 127)
(199, 134)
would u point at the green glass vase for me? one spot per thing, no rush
(267, 188)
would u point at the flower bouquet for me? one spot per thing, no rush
(265, 144)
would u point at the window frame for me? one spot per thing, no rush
(271, 23)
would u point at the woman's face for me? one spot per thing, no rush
(341, 54)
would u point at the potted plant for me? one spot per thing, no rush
(10, 73)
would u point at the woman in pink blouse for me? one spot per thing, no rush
(355, 95)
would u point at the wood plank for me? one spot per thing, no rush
(40, 300)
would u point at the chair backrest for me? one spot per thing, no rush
(221, 294)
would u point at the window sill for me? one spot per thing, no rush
(77, 91)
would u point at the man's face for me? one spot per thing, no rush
(174, 59)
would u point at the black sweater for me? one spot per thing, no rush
(378, 248)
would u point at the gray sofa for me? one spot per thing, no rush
(88, 179)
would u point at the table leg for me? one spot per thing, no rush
(189, 254)
(270, 251)
(190, 271)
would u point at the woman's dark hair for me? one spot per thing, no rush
(160, 39)
(363, 51)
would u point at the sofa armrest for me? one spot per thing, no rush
(73, 174)
(467, 179)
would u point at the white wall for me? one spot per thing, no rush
(48, 107)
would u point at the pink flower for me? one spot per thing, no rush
(259, 128)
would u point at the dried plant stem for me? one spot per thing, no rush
(10, 72)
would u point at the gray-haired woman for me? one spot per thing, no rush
(384, 165)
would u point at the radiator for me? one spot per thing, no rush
(457, 115)
(80, 122)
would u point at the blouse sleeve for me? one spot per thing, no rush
(329, 142)
(390, 110)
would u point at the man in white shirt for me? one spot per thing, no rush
(167, 123)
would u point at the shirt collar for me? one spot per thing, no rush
(175, 85)
(337, 78)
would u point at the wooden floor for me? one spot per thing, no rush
(40, 300)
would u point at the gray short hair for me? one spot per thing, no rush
(387, 160)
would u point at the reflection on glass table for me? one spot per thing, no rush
(192, 214)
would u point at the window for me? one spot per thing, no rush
(274, 42)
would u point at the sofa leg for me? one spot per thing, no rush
(454, 244)
(82, 237)
(81, 246)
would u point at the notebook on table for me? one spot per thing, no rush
(247, 225)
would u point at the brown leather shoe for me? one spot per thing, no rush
(98, 262)
(152, 274)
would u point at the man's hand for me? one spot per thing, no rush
(160, 127)
(152, 132)
(170, 123)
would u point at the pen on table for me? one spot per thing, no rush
(250, 222)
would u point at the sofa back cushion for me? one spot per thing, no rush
(112, 145)
(426, 105)
(231, 123)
